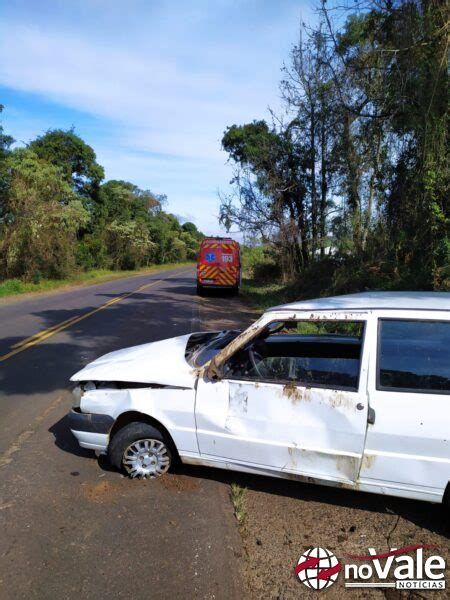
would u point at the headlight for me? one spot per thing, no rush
(77, 393)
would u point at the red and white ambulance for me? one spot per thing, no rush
(219, 264)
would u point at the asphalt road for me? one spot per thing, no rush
(69, 525)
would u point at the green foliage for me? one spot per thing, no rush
(129, 244)
(239, 502)
(177, 249)
(5, 142)
(190, 228)
(357, 168)
(36, 278)
(42, 217)
(249, 143)
(260, 263)
(75, 159)
(57, 218)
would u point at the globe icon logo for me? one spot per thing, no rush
(318, 568)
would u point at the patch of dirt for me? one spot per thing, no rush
(110, 491)
(284, 519)
(100, 491)
(178, 483)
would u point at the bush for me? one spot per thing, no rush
(36, 278)
(259, 263)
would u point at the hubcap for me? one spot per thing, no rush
(146, 459)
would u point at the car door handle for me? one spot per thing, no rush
(370, 413)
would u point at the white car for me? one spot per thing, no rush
(351, 391)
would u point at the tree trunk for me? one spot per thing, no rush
(323, 185)
(352, 178)
(313, 182)
(373, 177)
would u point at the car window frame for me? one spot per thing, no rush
(381, 388)
(284, 382)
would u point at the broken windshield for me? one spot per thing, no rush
(202, 347)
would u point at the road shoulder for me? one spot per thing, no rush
(113, 276)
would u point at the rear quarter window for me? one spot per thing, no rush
(414, 356)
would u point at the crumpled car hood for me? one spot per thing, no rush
(162, 363)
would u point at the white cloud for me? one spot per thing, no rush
(165, 106)
(165, 78)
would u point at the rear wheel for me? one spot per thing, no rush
(200, 290)
(141, 451)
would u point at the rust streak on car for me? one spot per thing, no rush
(295, 394)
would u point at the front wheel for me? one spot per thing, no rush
(141, 451)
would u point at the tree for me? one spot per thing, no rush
(5, 140)
(271, 188)
(55, 216)
(42, 217)
(307, 89)
(391, 78)
(359, 160)
(75, 158)
(191, 228)
(129, 244)
(5, 143)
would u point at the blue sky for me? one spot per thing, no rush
(150, 84)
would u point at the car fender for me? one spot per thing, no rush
(173, 407)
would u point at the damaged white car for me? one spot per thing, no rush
(350, 391)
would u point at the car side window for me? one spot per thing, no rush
(414, 356)
(311, 353)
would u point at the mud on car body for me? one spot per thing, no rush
(349, 391)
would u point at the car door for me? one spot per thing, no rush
(408, 445)
(276, 421)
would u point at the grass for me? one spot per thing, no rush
(13, 287)
(263, 295)
(237, 495)
(327, 277)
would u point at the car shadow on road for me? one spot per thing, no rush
(427, 516)
(65, 441)
(48, 366)
(423, 514)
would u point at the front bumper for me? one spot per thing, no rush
(91, 430)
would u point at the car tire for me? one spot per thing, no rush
(200, 290)
(141, 451)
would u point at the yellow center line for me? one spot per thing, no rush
(40, 333)
(39, 337)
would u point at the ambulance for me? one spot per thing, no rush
(219, 265)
